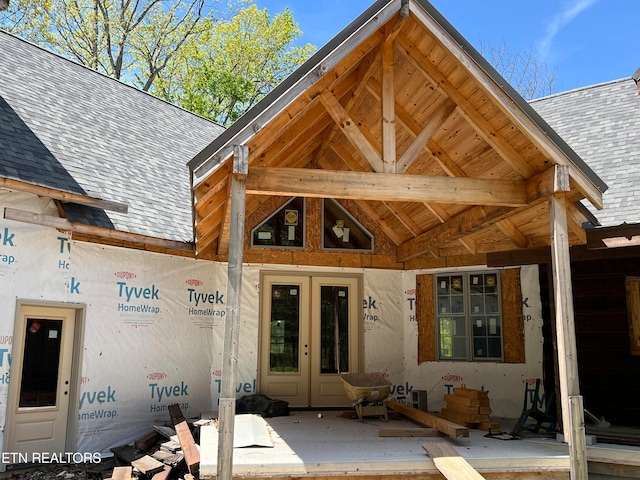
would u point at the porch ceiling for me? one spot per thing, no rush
(403, 117)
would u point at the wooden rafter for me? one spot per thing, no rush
(384, 186)
(424, 136)
(350, 129)
(507, 227)
(364, 74)
(478, 218)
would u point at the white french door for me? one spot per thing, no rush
(310, 336)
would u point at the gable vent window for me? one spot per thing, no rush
(341, 231)
(284, 228)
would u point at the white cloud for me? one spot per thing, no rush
(560, 20)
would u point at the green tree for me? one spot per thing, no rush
(234, 64)
(131, 40)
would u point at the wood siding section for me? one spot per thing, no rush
(512, 323)
(632, 287)
(425, 316)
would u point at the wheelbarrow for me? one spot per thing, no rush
(368, 392)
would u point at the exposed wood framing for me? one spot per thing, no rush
(67, 197)
(350, 129)
(384, 187)
(108, 233)
(520, 118)
(227, 402)
(475, 219)
(388, 107)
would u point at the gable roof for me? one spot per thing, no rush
(401, 115)
(602, 124)
(83, 136)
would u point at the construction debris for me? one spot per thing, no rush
(168, 452)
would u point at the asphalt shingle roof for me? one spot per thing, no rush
(601, 123)
(67, 127)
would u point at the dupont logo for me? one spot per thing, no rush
(125, 275)
(157, 376)
(192, 282)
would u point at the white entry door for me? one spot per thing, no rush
(310, 337)
(40, 380)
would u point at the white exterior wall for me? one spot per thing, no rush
(154, 329)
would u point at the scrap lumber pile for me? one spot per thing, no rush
(470, 408)
(166, 453)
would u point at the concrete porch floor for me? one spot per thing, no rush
(334, 446)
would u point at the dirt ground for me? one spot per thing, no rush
(74, 471)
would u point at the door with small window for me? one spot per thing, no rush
(310, 337)
(39, 393)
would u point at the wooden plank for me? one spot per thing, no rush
(471, 393)
(147, 441)
(441, 424)
(121, 473)
(449, 462)
(163, 474)
(147, 465)
(408, 432)
(64, 196)
(189, 447)
(307, 182)
(102, 232)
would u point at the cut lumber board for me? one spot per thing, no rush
(146, 442)
(162, 475)
(470, 393)
(430, 420)
(121, 473)
(449, 462)
(408, 432)
(189, 447)
(148, 465)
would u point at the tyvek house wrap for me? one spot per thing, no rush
(155, 323)
(148, 340)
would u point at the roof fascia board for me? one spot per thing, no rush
(525, 116)
(203, 164)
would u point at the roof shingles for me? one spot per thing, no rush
(72, 129)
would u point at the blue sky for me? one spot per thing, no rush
(589, 41)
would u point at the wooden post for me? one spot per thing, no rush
(572, 413)
(227, 407)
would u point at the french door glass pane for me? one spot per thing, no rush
(285, 328)
(334, 329)
(41, 363)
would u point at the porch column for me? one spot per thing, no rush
(227, 407)
(572, 408)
